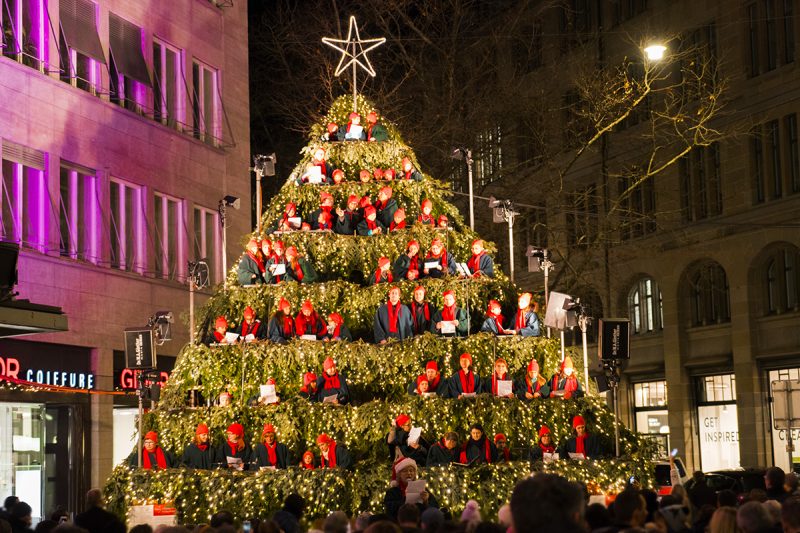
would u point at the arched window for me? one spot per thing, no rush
(645, 309)
(782, 280)
(709, 295)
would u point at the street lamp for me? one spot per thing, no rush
(228, 201)
(466, 155)
(655, 52)
(198, 279)
(504, 212)
(263, 165)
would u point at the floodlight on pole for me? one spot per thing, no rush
(227, 201)
(263, 165)
(465, 154)
(655, 52)
(504, 212)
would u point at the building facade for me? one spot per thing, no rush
(123, 125)
(703, 258)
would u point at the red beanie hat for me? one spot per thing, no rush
(268, 428)
(450, 292)
(442, 218)
(578, 421)
(201, 429)
(252, 243)
(308, 378)
(220, 322)
(291, 251)
(352, 198)
(307, 306)
(500, 436)
(419, 288)
(328, 363)
(544, 430)
(427, 202)
(324, 438)
(339, 171)
(248, 312)
(151, 435)
(411, 243)
(421, 378)
(402, 420)
(325, 196)
(383, 261)
(477, 241)
(533, 365)
(466, 356)
(369, 210)
(236, 429)
(400, 212)
(436, 241)
(283, 303)
(387, 191)
(432, 365)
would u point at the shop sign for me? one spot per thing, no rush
(48, 364)
(719, 436)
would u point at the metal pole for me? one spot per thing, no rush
(562, 345)
(511, 243)
(471, 207)
(141, 415)
(582, 321)
(546, 264)
(789, 416)
(259, 176)
(355, 110)
(616, 414)
(191, 310)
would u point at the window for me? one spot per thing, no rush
(24, 31)
(530, 141)
(168, 222)
(205, 103)
(650, 412)
(78, 212)
(779, 455)
(622, 10)
(771, 35)
(128, 73)
(574, 23)
(489, 156)
(709, 295)
(167, 71)
(637, 204)
(701, 188)
(793, 155)
(582, 218)
(207, 239)
(81, 53)
(752, 33)
(699, 66)
(126, 223)
(645, 308)
(528, 49)
(782, 280)
(25, 204)
(717, 421)
(775, 164)
(577, 126)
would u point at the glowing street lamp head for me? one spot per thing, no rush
(655, 52)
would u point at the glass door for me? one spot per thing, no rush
(22, 453)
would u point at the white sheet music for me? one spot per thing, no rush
(308, 337)
(414, 435)
(355, 132)
(414, 491)
(463, 269)
(231, 337)
(549, 457)
(448, 328)
(504, 387)
(576, 455)
(268, 393)
(278, 269)
(295, 222)
(433, 265)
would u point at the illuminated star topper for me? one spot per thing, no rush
(353, 50)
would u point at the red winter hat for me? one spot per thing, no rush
(493, 303)
(220, 323)
(419, 288)
(364, 172)
(421, 378)
(372, 116)
(277, 244)
(268, 428)
(389, 173)
(336, 318)
(291, 205)
(466, 356)
(283, 303)
(352, 198)
(578, 421)
(436, 241)
(402, 420)
(236, 429)
(477, 241)
(442, 218)
(151, 435)
(291, 251)
(202, 429)
(354, 115)
(411, 243)
(325, 196)
(395, 288)
(387, 191)
(427, 202)
(432, 365)
(567, 363)
(500, 436)
(338, 171)
(266, 242)
(364, 202)
(323, 439)
(378, 173)
(400, 213)
(544, 430)
(500, 360)
(307, 306)
(450, 292)
(533, 366)
(248, 312)
(309, 377)
(252, 243)
(328, 363)
(369, 210)
(383, 261)
(332, 127)
(271, 381)
(405, 160)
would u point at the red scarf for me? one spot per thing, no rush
(257, 259)
(219, 336)
(161, 461)
(474, 263)
(371, 224)
(388, 279)
(393, 226)
(549, 448)
(331, 382)
(413, 263)
(302, 323)
(498, 320)
(494, 381)
(272, 453)
(442, 259)
(394, 313)
(449, 313)
(298, 270)
(486, 450)
(570, 383)
(433, 385)
(426, 310)
(326, 225)
(369, 131)
(531, 387)
(408, 174)
(246, 329)
(426, 219)
(331, 462)
(202, 447)
(506, 454)
(520, 321)
(467, 381)
(309, 466)
(579, 444)
(288, 326)
(235, 447)
(381, 205)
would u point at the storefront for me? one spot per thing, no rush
(650, 412)
(780, 455)
(717, 422)
(44, 436)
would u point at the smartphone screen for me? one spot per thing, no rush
(674, 452)
(246, 526)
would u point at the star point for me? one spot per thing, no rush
(353, 50)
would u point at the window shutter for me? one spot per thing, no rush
(79, 25)
(22, 154)
(125, 39)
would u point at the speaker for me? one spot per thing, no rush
(614, 338)
(140, 348)
(556, 316)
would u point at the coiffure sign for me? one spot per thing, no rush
(48, 364)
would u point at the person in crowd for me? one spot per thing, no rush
(443, 223)
(471, 515)
(700, 493)
(392, 319)
(753, 517)
(308, 462)
(376, 132)
(347, 219)
(565, 383)
(277, 258)
(422, 312)
(500, 374)
(95, 519)
(526, 321)
(332, 133)
(426, 217)
(409, 172)
(332, 454)
(364, 175)
(370, 225)
(354, 131)
(288, 518)
(408, 517)
(251, 328)
(398, 440)
(199, 454)
(444, 451)
(723, 520)
(280, 328)
(533, 385)
(220, 329)
(465, 381)
(790, 515)
(480, 264)
(790, 484)
(288, 219)
(405, 471)
(478, 449)
(386, 206)
(383, 274)
(234, 453)
(332, 383)
(438, 263)
(545, 445)
(337, 330)
(630, 511)
(225, 399)
(325, 206)
(774, 479)
(308, 322)
(153, 456)
(298, 268)
(270, 453)
(503, 451)
(309, 389)
(407, 266)
(8, 504)
(398, 220)
(251, 266)
(452, 315)
(494, 320)
(433, 379)
(585, 443)
(419, 387)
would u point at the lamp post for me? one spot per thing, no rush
(263, 165)
(504, 212)
(466, 155)
(198, 279)
(542, 256)
(655, 52)
(228, 201)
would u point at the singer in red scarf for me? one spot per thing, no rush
(399, 220)
(494, 320)
(386, 206)
(503, 451)
(347, 219)
(583, 442)
(565, 383)
(307, 462)
(421, 312)
(500, 374)
(251, 327)
(324, 222)
(281, 325)
(480, 264)
(389, 174)
(398, 440)
(425, 217)
(545, 445)
(433, 379)
(409, 172)
(364, 175)
(533, 385)
(309, 389)
(153, 456)
(352, 134)
(277, 258)
(332, 383)
(271, 453)
(319, 161)
(370, 225)
(284, 223)
(308, 322)
(376, 132)
(251, 265)
(220, 329)
(407, 266)
(450, 314)
(442, 222)
(325, 206)
(337, 330)
(383, 274)
(332, 454)
(526, 321)
(298, 268)
(438, 262)
(266, 253)
(419, 386)
(234, 447)
(199, 454)
(403, 472)
(465, 381)
(392, 319)
(478, 449)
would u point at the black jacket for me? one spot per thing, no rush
(593, 447)
(97, 520)
(282, 455)
(194, 457)
(439, 455)
(223, 451)
(394, 499)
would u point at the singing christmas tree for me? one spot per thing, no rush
(357, 218)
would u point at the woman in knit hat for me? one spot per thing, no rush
(383, 274)
(370, 225)
(478, 449)
(153, 456)
(270, 453)
(336, 329)
(281, 326)
(403, 472)
(234, 453)
(465, 381)
(565, 382)
(583, 444)
(309, 389)
(199, 453)
(533, 385)
(332, 454)
(332, 384)
(398, 441)
(545, 445)
(347, 219)
(408, 265)
(308, 322)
